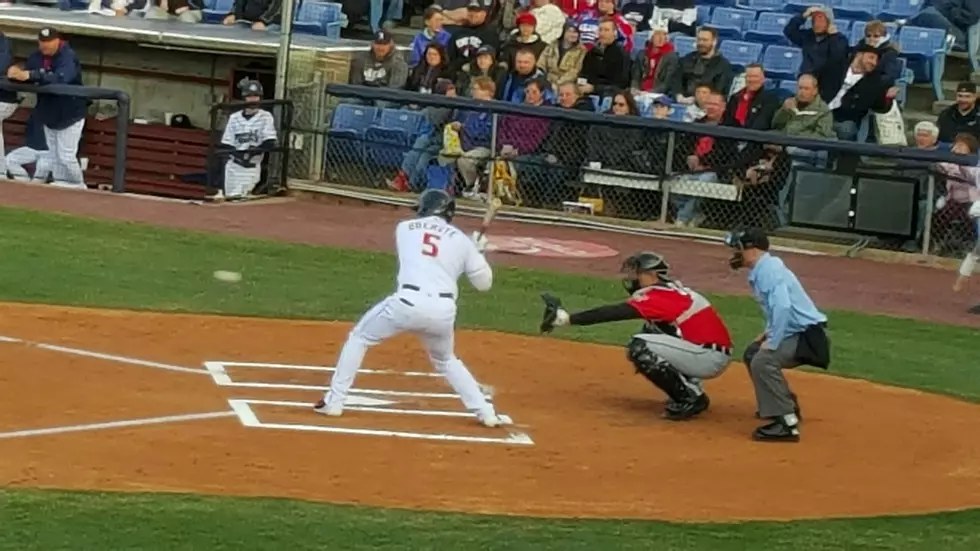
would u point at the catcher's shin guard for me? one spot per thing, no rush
(657, 370)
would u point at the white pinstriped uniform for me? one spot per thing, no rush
(63, 145)
(243, 133)
(6, 109)
(432, 255)
(43, 162)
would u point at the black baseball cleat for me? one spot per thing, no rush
(777, 431)
(796, 409)
(974, 310)
(688, 409)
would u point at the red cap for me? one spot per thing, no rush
(526, 18)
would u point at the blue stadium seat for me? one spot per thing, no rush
(900, 9)
(740, 54)
(216, 10)
(605, 104)
(345, 139)
(714, 2)
(926, 51)
(769, 29)
(595, 102)
(684, 44)
(640, 41)
(782, 62)
(731, 23)
(409, 121)
(788, 85)
(385, 147)
(704, 14)
(319, 18)
(860, 10)
(843, 25)
(353, 117)
(677, 115)
(761, 5)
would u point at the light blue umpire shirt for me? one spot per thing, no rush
(787, 307)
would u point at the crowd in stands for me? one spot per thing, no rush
(624, 60)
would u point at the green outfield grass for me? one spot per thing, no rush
(74, 261)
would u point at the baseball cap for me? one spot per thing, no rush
(382, 37)
(750, 238)
(47, 33)
(486, 49)
(663, 99)
(442, 86)
(476, 5)
(526, 18)
(968, 87)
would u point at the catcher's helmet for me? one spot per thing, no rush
(436, 202)
(642, 262)
(250, 88)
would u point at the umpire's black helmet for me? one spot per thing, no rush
(747, 238)
(436, 202)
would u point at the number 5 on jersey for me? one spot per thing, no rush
(430, 244)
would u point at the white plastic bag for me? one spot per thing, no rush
(890, 127)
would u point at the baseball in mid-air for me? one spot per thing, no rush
(227, 277)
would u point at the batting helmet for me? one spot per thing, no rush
(250, 88)
(642, 262)
(436, 202)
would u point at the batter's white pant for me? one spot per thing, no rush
(6, 109)
(240, 180)
(18, 158)
(432, 319)
(691, 360)
(63, 146)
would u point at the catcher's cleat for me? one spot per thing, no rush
(688, 409)
(796, 409)
(322, 408)
(777, 431)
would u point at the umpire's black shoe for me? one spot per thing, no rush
(974, 310)
(777, 431)
(796, 409)
(681, 411)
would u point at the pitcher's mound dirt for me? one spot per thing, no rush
(600, 448)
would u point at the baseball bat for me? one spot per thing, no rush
(493, 205)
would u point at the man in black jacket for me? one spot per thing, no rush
(606, 68)
(703, 65)
(753, 107)
(260, 13)
(962, 116)
(859, 93)
(465, 41)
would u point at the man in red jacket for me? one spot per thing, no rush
(683, 340)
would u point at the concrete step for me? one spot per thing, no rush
(940, 106)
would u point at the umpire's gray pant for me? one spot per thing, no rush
(688, 358)
(772, 392)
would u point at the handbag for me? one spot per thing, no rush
(890, 127)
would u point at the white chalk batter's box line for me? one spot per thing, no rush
(243, 408)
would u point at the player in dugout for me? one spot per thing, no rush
(683, 340)
(248, 136)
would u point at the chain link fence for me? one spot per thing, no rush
(692, 175)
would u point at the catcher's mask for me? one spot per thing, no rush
(740, 240)
(436, 202)
(639, 263)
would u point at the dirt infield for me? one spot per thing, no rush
(588, 449)
(854, 284)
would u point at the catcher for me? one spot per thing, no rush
(683, 340)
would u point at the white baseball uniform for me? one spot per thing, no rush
(63, 145)
(244, 132)
(43, 162)
(432, 255)
(6, 110)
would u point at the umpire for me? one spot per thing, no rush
(795, 334)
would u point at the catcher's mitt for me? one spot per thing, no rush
(552, 305)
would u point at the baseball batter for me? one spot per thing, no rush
(432, 255)
(250, 133)
(683, 340)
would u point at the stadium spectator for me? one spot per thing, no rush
(695, 110)
(524, 38)
(954, 16)
(572, 8)
(457, 12)
(825, 49)
(185, 11)
(699, 155)
(562, 60)
(656, 69)
(926, 135)
(521, 139)
(432, 33)
(952, 226)
(476, 32)
(805, 116)
(562, 153)
(513, 84)
(260, 13)
(63, 117)
(753, 107)
(615, 147)
(703, 65)
(856, 95)
(551, 20)
(663, 106)
(606, 67)
(590, 20)
(436, 66)
(889, 66)
(381, 66)
(638, 14)
(962, 116)
(474, 129)
(485, 65)
(411, 175)
(586, 18)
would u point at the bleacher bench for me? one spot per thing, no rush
(679, 185)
